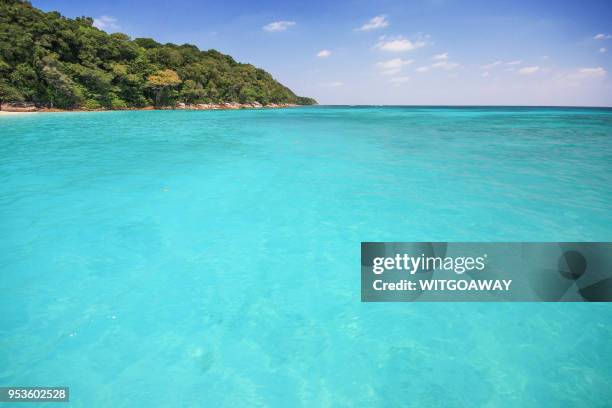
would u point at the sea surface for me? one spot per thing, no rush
(211, 258)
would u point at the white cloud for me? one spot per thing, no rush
(576, 77)
(603, 49)
(106, 23)
(399, 44)
(375, 23)
(443, 56)
(492, 65)
(324, 54)
(485, 74)
(602, 37)
(392, 66)
(334, 84)
(518, 62)
(592, 72)
(528, 70)
(399, 80)
(447, 65)
(422, 69)
(276, 26)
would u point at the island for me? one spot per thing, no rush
(49, 62)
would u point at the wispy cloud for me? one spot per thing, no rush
(392, 66)
(375, 23)
(277, 26)
(106, 23)
(447, 65)
(576, 77)
(443, 56)
(508, 63)
(324, 53)
(441, 64)
(602, 36)
(492, 65)
(598, 72)
(603, 49)
(399, 80)
(333, 84)
(399, 44)
(528, 70)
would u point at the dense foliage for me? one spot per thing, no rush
(54, 61)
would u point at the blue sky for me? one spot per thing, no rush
(392, 52)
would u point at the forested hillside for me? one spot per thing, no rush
(57, 62)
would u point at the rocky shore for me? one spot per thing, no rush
(231, 105)
(25, 108)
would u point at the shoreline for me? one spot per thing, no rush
(9, 113)
(13, 110)
(17, 110)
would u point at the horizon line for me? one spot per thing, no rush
(463, 106)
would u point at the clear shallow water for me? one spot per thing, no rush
(212, 258)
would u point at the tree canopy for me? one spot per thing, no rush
(54, 61)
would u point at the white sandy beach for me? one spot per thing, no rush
(4, 113)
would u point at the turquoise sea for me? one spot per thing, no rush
(211, 258)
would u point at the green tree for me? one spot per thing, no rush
(161, 82)
(62, 91)
(192, 92)
(25, 79)
(9, 93)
